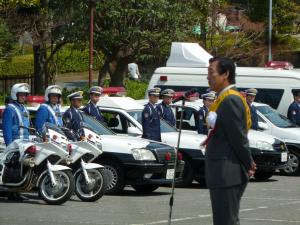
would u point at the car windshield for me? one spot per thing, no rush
(274, 117)
(96, 126)
(164, 126)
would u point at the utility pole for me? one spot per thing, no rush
(91, 50)
(270, 31)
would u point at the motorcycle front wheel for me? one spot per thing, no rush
(59, 193)
(95, 189)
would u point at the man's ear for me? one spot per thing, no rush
(226, 75)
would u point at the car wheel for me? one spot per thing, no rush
(115, 176)
(187, 174)
(263, 175)
(293, 165)
(145, 188)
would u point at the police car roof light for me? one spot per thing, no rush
(163, 78)
(279, 65)
(36, 99)
(119, 91)
(192, 97)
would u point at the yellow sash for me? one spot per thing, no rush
(216, 104)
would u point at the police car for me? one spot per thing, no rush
(271, 122)
(268, 152)
(124, 117)
(141, 163)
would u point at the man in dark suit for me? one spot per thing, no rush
(228, 163)
(250, 97)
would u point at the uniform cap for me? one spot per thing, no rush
(96, 90)
(154, 91)
(75, 95)
(296, 92)
(168, 92)
(251, 91)
(210, 95)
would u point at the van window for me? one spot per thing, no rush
(271, 97)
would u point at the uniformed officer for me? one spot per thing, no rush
(91, 108)
(16, 123)
(164, 109)
(250, 97)
(294, 108)
(51, 110)
(208, 99)
(16, 116)
(73, 118)
(150, 117)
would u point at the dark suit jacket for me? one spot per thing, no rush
(228, 156)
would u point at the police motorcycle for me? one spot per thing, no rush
(90, 178)
(25, 165)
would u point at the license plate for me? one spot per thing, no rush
(170, 174)
(284, 156)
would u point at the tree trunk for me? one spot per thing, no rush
(39, 55)
(102, 73)
(117, 78)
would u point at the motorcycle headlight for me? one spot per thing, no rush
(142, 154)
(262, 145)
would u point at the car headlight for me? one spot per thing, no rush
(142, 154)
(262, 145)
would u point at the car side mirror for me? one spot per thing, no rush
(134, 131)
(263, 126)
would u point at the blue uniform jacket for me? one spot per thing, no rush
(254, 117)
(201, 125)
(44, 115)
(151, 123)
(294, 113)
(166, 113)
(73, 119)
(93, 111)
(11, 124)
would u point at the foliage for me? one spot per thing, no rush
(285, 14)
(6, 40)
(127, 30)
(68, 60)
(136, 89)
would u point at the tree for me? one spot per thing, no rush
(144, 29)
(52, 24)
(285, 14)
(6, 40)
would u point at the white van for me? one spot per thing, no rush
(187, 68)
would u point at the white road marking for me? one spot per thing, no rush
(242, 218)
(271, 220)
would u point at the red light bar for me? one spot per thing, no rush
(191, 97)
(163, 78)
(114, 91)
(279, 65)
(35, 98)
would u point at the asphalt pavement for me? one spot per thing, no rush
(275, 202)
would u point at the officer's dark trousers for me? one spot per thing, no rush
(225, 204)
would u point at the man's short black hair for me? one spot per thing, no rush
(224, 65)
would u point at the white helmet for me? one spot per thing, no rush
(19, 88)
(52, 89)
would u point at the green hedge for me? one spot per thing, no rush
(68, 60)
